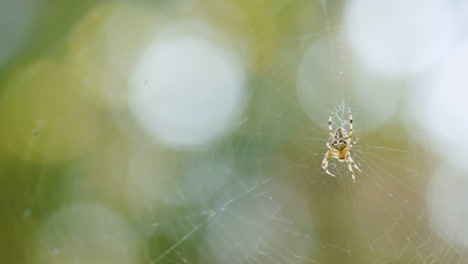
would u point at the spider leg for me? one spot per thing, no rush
(352, 143)
(354, 164)
(351, 171)
(350, 124)
(355, 141)
(325, 162)
(330, 124)
(351, 163)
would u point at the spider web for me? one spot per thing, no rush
(261, 196)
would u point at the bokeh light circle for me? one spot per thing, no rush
(188, 89)
(394, 38)
(104, 47)
(438, 106)
(245, 228)
(46, 119)
(86, 233)
(371, 98)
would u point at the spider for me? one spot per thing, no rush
(338, 146)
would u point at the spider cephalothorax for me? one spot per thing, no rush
(339, 145)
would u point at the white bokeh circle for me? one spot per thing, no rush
(398, 38)
(188, 89)
(438, 106)
(318, 87)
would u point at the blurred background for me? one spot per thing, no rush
(193, 131)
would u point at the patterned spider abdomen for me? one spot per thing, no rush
(340, 139)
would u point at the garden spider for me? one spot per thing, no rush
(339, 144)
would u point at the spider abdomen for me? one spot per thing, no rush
(340, 140)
